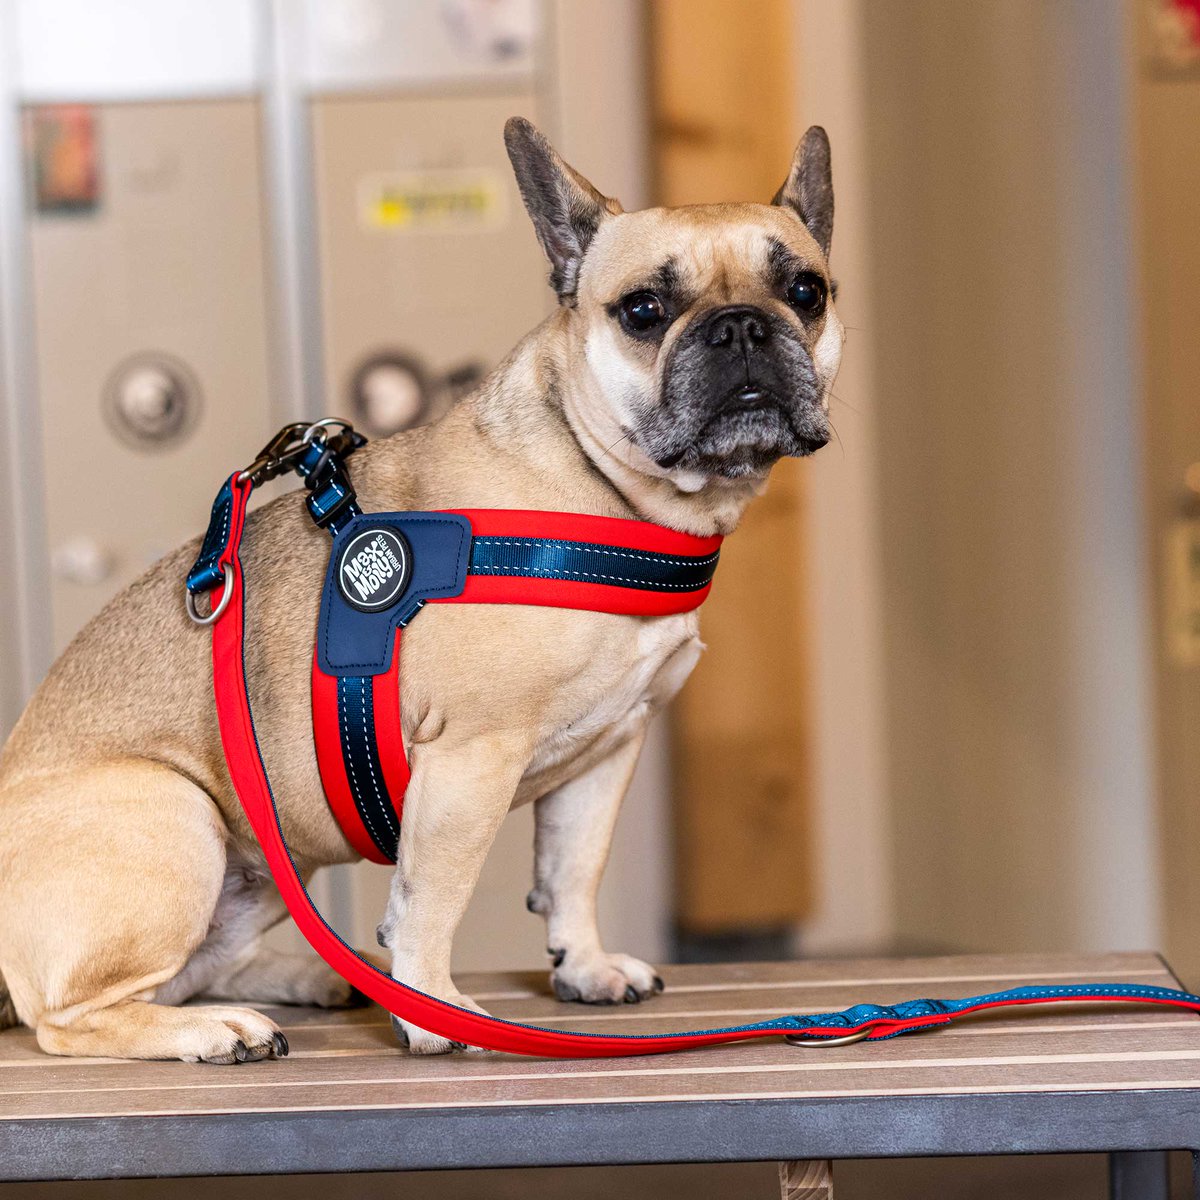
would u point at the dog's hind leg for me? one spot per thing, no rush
(269, 976)
(109, 878)
(232, 964)
(574, 830)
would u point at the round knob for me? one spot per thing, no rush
(82, 560)
(389, 393)
(151, 400)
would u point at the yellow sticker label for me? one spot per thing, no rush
(432, 201)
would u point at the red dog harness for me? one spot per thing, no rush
(383, 569)
(385, 566)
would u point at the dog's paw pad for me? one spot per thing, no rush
(228, 1036)
(604, 979)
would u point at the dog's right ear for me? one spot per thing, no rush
(566, 210)
(808, 189)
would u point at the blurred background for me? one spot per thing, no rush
(952, 700)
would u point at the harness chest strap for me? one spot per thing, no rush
(219, 570)
(472, 556)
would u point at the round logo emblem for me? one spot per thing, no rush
(374, 568)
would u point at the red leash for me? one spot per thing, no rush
(248, 774)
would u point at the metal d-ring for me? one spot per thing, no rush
(310, 434)
(189, 599)
(849, 1040)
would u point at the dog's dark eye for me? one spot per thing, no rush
(807, 293)
(642, 311)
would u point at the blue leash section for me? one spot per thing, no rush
(876, 1022)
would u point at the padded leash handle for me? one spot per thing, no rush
(223, 576)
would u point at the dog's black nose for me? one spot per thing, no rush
(739, 327)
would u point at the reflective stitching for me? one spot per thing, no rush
(352, 772)
(368, 742)
(556, 572)
(1075, 989)
(682, 560)
(212, 555)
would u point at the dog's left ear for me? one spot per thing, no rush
(808, 189)
(566, 210)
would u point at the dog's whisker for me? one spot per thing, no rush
(845, 403)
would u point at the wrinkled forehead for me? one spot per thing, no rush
(705, 248)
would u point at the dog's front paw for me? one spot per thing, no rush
(223, 1035)
(421, 1041)
(601, 978)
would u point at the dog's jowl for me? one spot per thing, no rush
(690, 350)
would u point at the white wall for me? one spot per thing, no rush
(989, 200)
(853, 910)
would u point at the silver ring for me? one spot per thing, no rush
(189, 599)
(310, 434)
(849, 1040)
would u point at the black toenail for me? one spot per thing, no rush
(559, 956)
(658, 983)
(631, 995)
(240, 1050)
(279, 1044)
(564, 991)
(458, 1045)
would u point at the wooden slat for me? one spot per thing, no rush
(775, 1063)
(349, 1061)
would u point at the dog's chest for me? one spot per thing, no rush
(660, 656)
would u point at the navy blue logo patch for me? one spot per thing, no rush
(374, 569)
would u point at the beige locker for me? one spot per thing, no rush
(429, 269)
(151, 353)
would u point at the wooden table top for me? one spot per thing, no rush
(345, 1079)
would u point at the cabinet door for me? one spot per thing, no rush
(430, 272)
(150, 325)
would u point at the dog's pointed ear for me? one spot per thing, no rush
(808, 189)
(566, 210)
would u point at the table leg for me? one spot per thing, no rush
(1138, 1175)
(806, 1179)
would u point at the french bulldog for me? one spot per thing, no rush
(691, 349)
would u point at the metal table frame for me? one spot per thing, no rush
(1136, 1128)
